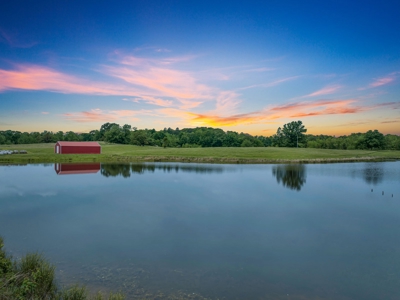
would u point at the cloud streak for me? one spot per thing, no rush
(330, 89)
(378, 82)
(269, 84)
(13, 41)
(98, 115)
(270, 114)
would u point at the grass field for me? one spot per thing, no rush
(44, 153)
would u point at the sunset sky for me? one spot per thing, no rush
(247, 66)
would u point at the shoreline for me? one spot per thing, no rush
(213, 160)
(117, 153)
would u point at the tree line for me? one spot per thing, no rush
(126, 134)
(292, 134)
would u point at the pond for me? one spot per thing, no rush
(208, 231)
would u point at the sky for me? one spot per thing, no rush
(247, 66)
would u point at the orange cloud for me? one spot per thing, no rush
(291, 110)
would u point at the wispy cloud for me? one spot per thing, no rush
(98, 115)
(327, 90)
(13, 40)
(45, 112)
(268, 84)
(378, 82)
(392, 121)
(382, 81)
(152, 100)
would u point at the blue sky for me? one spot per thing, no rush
(245, 66)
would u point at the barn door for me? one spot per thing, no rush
(58, 149)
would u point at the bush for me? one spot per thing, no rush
(32, 277)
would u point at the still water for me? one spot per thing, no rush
(197, 231)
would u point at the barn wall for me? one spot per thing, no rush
(55, 147)
(80, 150)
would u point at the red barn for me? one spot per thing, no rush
(77, 148)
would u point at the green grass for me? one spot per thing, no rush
(44, 153)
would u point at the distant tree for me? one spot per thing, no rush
(47, 137)
(106, 127)
(278, 139)
(293, 133)
(59, 136)
(165, 142)
(71, 136)
(2, 139)
(392, 142)
(115, 135)
(373, 140)
(139, 137)
(246, 143)
(25, 138)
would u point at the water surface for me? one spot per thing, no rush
(323, 231)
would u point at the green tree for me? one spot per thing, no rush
(71, 136)
(115, 135)
(246, 143)
(373, 140)
(293, 133)
(278, 139)
(139, 137)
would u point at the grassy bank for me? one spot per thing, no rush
(44, 153)
(32, 277)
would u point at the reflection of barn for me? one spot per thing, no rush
(77, 148)
(64, 169)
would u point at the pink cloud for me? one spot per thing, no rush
(45, 112)
(33, 77)
(324, 91)
(381, 81)
(152, 85)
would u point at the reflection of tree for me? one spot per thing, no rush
(291, 176)
(373, 173)
(125, 170)
(141, 168)
(113, 170)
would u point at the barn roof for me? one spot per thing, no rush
(79, 144)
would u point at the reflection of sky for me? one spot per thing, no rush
(323, 238)
(248, 68)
